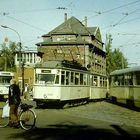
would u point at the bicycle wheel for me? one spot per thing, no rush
(4, 120)
(27, 119)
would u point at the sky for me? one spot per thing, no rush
(30, 19)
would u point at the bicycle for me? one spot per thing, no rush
(27, 117)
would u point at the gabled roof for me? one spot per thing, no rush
(95, 31)
(71, 26)
(92, 30)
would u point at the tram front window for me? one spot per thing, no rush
(5, 79)
(45, 78)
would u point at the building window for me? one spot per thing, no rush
(59, 51)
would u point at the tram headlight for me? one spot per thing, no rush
(45, 96)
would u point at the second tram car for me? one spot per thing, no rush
(5, 78)
(125, 86)
(63, 82)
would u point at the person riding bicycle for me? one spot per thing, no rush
(14, 101)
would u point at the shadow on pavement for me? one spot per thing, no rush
(125, 106)
(74, 132)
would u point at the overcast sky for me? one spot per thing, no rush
(34, 18)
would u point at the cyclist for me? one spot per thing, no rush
(14, 101)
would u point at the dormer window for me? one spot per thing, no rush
(60, 39)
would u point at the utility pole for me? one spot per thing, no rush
(122, 58)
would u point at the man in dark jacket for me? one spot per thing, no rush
(14, 101)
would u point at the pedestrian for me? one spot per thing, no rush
(14, 101)
(26, 91)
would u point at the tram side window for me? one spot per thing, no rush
(63, 77)
(128, 80)
(101, 82)
(104, 82)
(67, 77)
(85, 79)
(94, 81)
(115, 81)
(77, 77)
(72, 78)
(57, 79)
(118, 80)
(131, 80)
(121, 80)
(81, 79)
(91, 80)
(138, 78)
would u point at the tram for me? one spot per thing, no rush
(125, 86)
(64, 82)
(5, 78)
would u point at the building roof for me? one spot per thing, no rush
(126, 70)
(72, 26)
(51, 43)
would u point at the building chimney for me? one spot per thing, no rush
(86, 21)
(65, 17)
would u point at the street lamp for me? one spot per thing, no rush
(3, 26)
(20, 47)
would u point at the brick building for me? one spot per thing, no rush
(74, 41)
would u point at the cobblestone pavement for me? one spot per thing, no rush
(106, 111)
(97, 120)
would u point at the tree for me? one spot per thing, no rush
(7, 55)
(114, 59)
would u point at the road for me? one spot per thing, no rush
(98, 121)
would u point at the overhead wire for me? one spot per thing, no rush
(35, 27)
(111, 10)
(125, 15)
(28, 11)
(130, 20)
(98, 13)
(115, 8)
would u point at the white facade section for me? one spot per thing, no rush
(28, 57)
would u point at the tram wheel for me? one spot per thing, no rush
(130, 103)
(113, 99)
